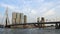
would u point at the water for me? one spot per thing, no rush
(29, 31)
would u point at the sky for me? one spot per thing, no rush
(49, 9)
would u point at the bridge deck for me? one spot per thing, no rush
(35, 23)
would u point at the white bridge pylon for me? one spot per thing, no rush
(6, 17)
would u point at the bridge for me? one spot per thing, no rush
(34, 23)
(39, 23)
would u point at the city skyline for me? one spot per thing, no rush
(49, 9)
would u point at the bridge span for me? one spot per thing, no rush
(38, 23)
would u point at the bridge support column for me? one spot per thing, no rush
(39, 25)
(56, 26)
(59, 26)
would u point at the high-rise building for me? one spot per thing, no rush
(43, 20)
(38, 19)
(25, 19)
(14, 16)
(13, 21)
(21, 18)
(18, 18)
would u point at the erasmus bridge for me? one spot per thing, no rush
(38, 23)
(34, 23)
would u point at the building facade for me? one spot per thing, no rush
(18, 18)
(25, 19)
(43, 20)
(14, 16)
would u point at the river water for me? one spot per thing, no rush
(29, 31)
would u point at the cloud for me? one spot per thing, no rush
(33, 7)
(9, 6)
(49, 13)
(41, 1)
(33, 12)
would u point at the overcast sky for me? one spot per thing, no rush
(50, 9)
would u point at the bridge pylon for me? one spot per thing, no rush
(6, 18)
